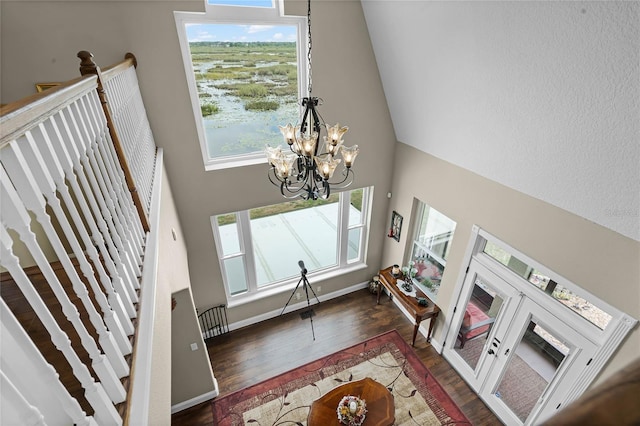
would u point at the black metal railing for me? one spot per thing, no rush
(213, 322)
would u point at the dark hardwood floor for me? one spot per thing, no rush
(258, 352)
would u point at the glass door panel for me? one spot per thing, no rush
(524, 384)
(479, 316)
(479, 324)
(530, 369)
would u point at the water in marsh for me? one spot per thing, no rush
(234, 129)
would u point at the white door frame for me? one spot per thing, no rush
(606, 341)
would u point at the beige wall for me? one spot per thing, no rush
(191, 373)
(186, 373)
(167, 355)
(40, 41)
(595, 258)
(160, 398)
(540, 96)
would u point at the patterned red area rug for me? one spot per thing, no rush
(285, 399)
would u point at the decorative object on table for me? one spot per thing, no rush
(396, 226)
(406, 288)
(351, 410)
(374, 284)
(305, 170)
(409, 271)
(422, 301)
(395, 271)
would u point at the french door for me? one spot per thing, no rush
(489, 305)
(526, 361)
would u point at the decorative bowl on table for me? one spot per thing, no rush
(351, 411)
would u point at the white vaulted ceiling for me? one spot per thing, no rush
(542, 97)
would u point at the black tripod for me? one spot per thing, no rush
(307, 287)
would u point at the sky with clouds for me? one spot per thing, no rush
(234, 32)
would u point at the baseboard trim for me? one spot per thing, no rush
(196, 400)
(300, 305)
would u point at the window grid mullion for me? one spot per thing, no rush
(342, 227)
(244, 223)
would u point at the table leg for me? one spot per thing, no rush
(379, 289)
(415, 330)
(432, 321)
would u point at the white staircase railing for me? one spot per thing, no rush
(66, 199)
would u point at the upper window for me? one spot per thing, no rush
(242, 71)
(558, 292)
(259, 249)
(431, 245)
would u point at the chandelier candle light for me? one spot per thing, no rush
(306, 170)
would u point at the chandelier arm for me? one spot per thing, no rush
(305, 168)
(283, 187)
(316, 120)
(293, 195)
(294, 187)
(319, 102)
(305, 115)
(278, 180)
(349, 173)
(327, 189)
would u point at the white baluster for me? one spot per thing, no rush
(15, 216)
(125, 287)
(116, 302)
(36, 379)
(95, 394)
(45, 168)
(92, 152)
(93, 174)
(132, 126)
(118, 182)
(29, 172)
(107, 153)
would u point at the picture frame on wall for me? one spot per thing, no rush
(41, 87)
(396, 226)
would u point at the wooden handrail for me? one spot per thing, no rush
(20, 115)
(89, 67)
(112, 70)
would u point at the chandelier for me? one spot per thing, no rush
(307, 169)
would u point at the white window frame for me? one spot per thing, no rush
(415, 242)
(240, 15)
(343, 266)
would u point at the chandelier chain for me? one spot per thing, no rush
(309, 47)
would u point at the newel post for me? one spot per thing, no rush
(88, 66)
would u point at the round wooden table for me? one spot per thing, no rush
(380, 406)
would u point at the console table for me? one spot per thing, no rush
(410, 303)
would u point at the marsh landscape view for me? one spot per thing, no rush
(246, 89)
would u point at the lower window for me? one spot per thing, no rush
(260, 249)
